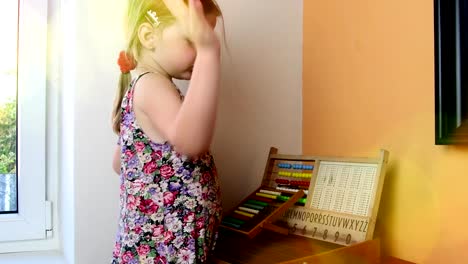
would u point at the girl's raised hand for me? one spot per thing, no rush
(194, 22)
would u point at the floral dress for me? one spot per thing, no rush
(170, 205)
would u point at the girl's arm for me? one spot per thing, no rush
(188, 126)
(194, 125)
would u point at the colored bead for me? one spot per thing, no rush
(282, 198)
(226, 223)
(270, 192)
(244, 213)
(248, 210)
(233, 220)
(266, 195)
(240, 217)
(257, 202)
(254, 206)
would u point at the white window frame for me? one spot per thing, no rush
(30, 223)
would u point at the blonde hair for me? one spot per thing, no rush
(136, 15)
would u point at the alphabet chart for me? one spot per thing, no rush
(344, 187)
(342, 199)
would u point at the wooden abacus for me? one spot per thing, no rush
(260, 209)
(323, 191)
(278, 192)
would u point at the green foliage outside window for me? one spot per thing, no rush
(8, 137)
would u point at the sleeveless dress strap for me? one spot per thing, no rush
(133, 83)
(130, 91)
(138, 77)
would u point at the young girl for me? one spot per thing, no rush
(170, 197)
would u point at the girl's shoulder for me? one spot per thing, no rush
(153, 81)
(153, 87)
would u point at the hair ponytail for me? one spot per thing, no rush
(124, 82)
(126, 63)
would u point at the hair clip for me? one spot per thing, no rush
(153, 17)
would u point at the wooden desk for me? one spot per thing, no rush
(392, 260)
(270, 247)
(385, 260)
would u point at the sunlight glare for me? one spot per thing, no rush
(8, 63)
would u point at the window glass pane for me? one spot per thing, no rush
(8, 106)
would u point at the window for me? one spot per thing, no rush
(8, 108)
(23, 120)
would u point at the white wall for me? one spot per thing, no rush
(261, 102)
(260, 106)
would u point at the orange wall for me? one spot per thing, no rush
(369, 83)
